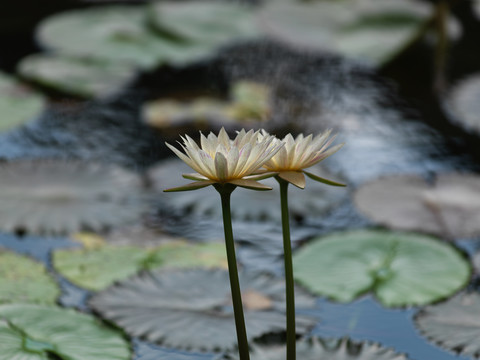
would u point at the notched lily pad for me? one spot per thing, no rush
(60, 197)
(191, 309)
(76, 76)
(34, 332)
(24, 280)
(95, 269)
(18, 103)
(316, 200)
(314, 348)
(449, 207)
(375, 30)
(465, 104)
(401, 269)
(454, 324)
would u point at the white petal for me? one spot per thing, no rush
(185, 158)
(223, 138)
(232, 161)
(221, 167)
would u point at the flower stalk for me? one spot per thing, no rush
(289, 283)
(225, 191)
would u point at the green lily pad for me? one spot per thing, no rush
(454, 324)
(24, 280)
(316, 200)
(34, 332)
(191, 309)
(76, 76)
(18, 103)
(401, 269)
(210, 23)
(114, 33)
(464, 101)
(448, 207)
(373, 30)
(95, 269)
(313, 348)
(61, 197)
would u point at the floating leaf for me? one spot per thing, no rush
(34, 332)
(400, 268)
(464, 102)
(449, 207)
(55, 196)
(246, 205)
(23, 280)
(99, 268)
(249, 104)
(313, 348)
(191, 309)
(95, 269)
(114, 33)
(375, 30)
(84, 78)
(209, 23)
(454, 324)
(18, 103)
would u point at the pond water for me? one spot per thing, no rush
(387, 120)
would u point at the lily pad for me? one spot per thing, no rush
(454, 324)
(60, 197)
(114, 33)
(34, 332)
(95, 269)
(18, 103)
(76, 76)
(127, 34)
(373, 30)
(448, 207)
(464, 101)
(210, 23)
(401, 269)
(24, 280)
(249, 105)
(313, 348)
(191, 309)
(316, 200)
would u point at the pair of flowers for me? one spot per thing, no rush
(253, 156)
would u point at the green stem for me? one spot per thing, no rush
(225, 191)
(290, 290)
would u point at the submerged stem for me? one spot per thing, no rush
(290, 291)
(225, 191)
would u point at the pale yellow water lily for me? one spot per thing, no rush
(299, 154)
(221, 160)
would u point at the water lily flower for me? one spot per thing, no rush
(299, 154)
(221, 160)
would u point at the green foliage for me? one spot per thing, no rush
(18, 103)
(23, 280)
(34, 332)
(401, 269)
